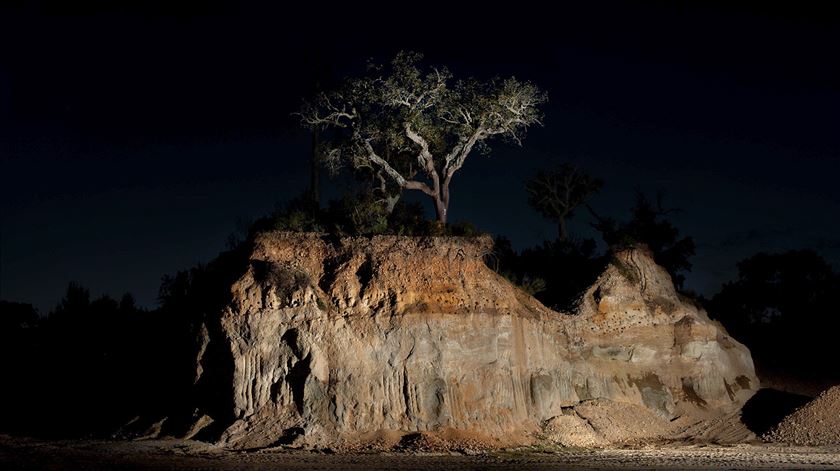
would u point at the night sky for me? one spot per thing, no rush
(133, 138)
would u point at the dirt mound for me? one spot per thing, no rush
(815, 424)
(571, 430)
(601, 422)
(446, 440)
(621, 422)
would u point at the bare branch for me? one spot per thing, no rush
(372, 156)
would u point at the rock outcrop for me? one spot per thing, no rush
(332, 341)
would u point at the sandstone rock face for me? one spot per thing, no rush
(332, 341)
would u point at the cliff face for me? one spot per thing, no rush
(344, 340)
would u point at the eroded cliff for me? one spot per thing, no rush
(333, 341)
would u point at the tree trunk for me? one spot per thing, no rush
(440, 210)
(561, 227)
(391, 202)
(442, 202)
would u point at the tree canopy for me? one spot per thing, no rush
(415, 127)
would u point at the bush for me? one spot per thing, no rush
(356, 214)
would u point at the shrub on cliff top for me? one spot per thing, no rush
(357, 214)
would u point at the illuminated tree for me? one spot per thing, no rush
(414, 128)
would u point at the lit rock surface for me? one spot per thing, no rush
(331, 341)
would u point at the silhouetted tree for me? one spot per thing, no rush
(401, 121)
(20, 343)
(556, 193)
(81, 370)
(649, 225)
(17, 316)
(75, 303)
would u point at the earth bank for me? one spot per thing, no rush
(347, 342)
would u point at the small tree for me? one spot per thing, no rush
(416, 127)
(556, 193)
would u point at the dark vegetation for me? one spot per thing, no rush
(782, 307)
(359, 213)
(557, 271)
(65, 368)
(99, 367)
(649, 226)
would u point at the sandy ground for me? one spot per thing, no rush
(21, 453)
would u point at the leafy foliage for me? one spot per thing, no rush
(357, 214)
(416, 127)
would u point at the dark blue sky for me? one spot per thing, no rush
(134, 137)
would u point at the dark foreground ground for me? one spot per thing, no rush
(24, 453)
